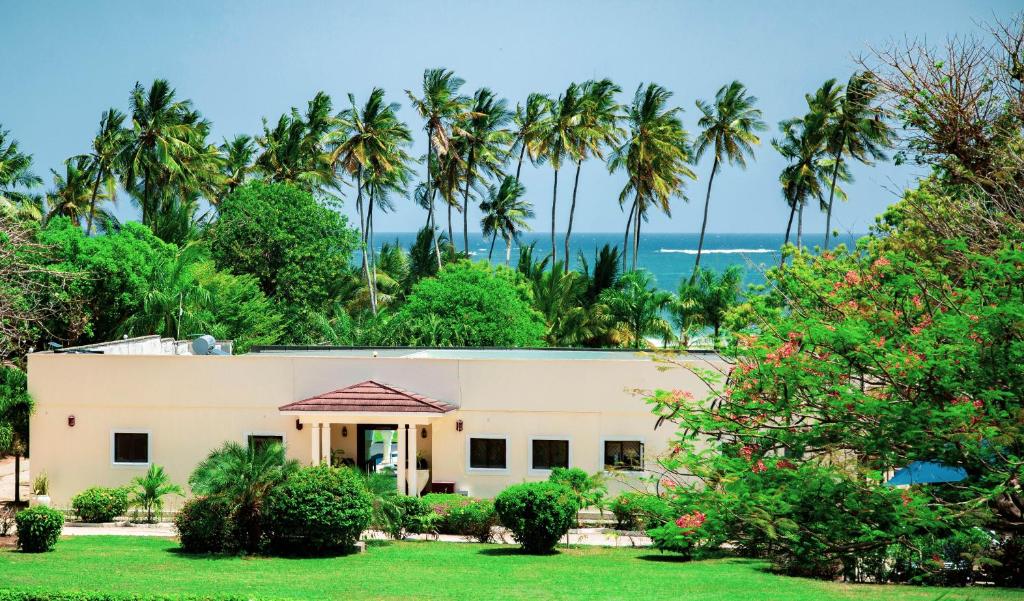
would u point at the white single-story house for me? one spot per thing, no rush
(462, 420)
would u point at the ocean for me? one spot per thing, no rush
(669, 257)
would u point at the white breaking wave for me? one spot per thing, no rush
(718, 251)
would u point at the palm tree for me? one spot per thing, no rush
(439, 106)
(529, 123)
(597, 128)
(856, 128)
(238, 154)
(16, 172)
(557, 143)
(656, 157)
(161, 141)
(704, 300)
(727, 127)
(636, 306)
(243, 476)
(484, 142)
(106, 159)
(505, 214)
(370, 148)
(151, 489)
(176, 303)
(71, 196)
(294, 152)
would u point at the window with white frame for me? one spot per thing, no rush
(487, 452)
(130, 447)
(625, 455)
(547, 453)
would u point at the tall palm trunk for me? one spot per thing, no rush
(789, 228)
(704, 224)
(494, 238)
(625, 239)
(508, 250)
(465, 204)
(572, 210)
(636, 233)
(800, 227)
(519, 167)
(430, 193)
(832, 194)
(451, 238)
(554, 201)
(362, 235)
(373, 257)
(92, 200)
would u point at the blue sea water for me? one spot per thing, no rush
(669, 257)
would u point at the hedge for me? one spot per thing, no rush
(99, 504)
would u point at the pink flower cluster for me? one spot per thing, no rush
(691, 521)
(759, 467)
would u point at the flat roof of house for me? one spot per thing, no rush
(475, 353)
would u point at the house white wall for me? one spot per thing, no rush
(192, 404)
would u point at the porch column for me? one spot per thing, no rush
(414, 487)
(400, 468)
(314, 454)
(325, 443)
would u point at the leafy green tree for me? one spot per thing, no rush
(856, 128)
(484, 142)
(16, 177)
(636, 307)
(728, 129)
(149, 490)
(655, 156)
(237, 309)
(469, 304)
(239, 154)
(15, 407)
(596, 130)
(705, 300)
(505, 214)
(176, 303)
(296, 248)
(243, 476)
(438, 106)
(294, 152)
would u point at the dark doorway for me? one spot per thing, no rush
(376, 446)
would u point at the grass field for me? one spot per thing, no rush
(430, 571)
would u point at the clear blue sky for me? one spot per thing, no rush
(65, 62)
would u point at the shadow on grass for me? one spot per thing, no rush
(507, 551)
(276, 554)
(665, 558)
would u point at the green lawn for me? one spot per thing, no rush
(429, 570)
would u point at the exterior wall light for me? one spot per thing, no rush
(458, 425)
(298, 424)
(71, 421)
(344, 431)
(423, 432)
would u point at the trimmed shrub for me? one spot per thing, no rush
(202, 525)
(317, 509)
(100, 504)
(537, 513)
(636, 511)
(38, 528)
(457, 514)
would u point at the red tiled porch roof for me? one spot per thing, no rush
(371, 397)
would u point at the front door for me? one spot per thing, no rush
(377, 447)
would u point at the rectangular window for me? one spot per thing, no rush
(488, 453)
(262, 440)
(624, 455)
(131, 447)
(548, 454)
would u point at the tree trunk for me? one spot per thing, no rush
(362, 233)
(430, 194)
(789, 228)
(494, 238)
(572, 210)
(625, 239)
(704, 224)
(508, 250)
(519, 167)
(800, 227)
(92, 202)
(17, 477)
(373, 260)
(831, 196)
(554, 201)
(636, 234)
(465, 204)
(451, 236)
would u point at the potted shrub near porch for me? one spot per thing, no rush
(41, 490)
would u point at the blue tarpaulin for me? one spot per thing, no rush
(926, 472)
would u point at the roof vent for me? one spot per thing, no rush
(206, 345)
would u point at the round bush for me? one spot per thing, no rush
(202, 525)
(38, 528)
(318, 508)
(99, 504)
(537, 513)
